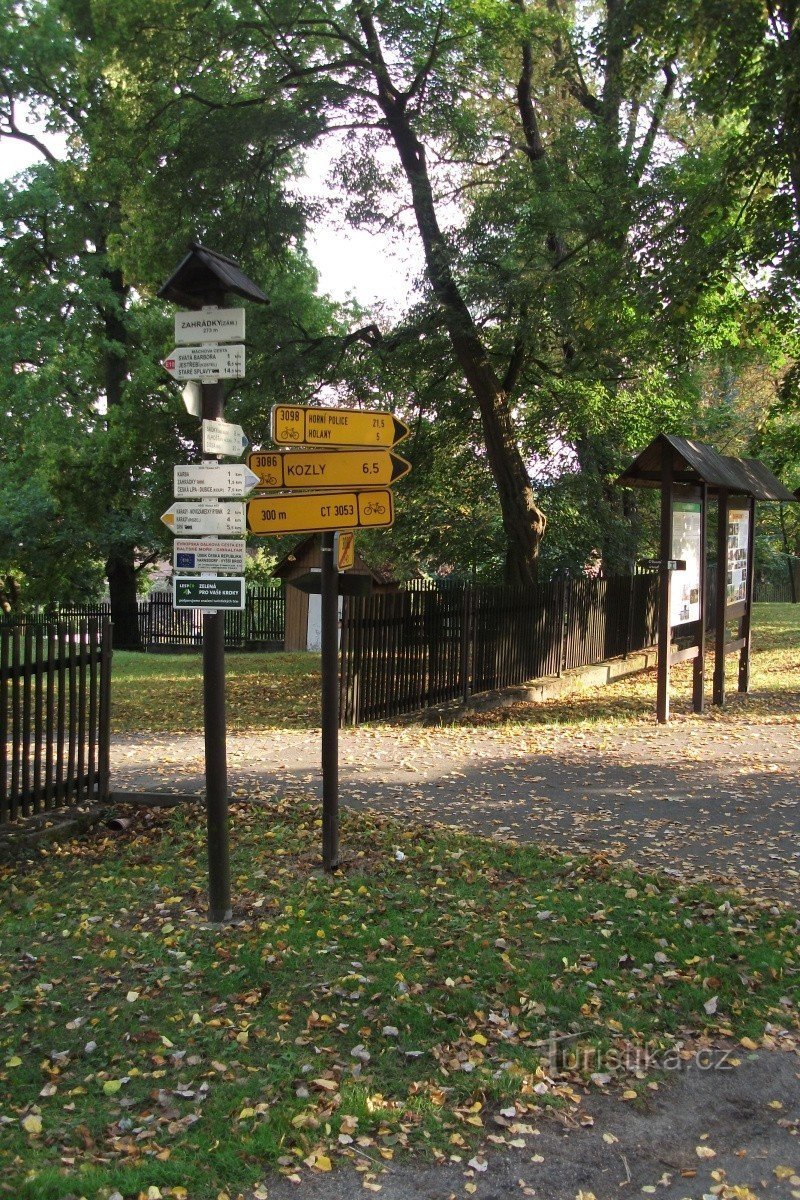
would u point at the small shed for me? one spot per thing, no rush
(302, 621)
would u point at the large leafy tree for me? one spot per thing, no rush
(576, 207)
(85, 240)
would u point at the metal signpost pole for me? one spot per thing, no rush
(329, 604)
(219, 871)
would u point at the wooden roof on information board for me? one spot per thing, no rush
(695, 462)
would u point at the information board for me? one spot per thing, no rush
(738, 539)
(686, 546)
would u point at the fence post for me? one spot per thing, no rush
(466, 642)
(104, 717)
(562, 626)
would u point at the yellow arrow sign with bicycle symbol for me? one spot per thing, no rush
(320, 512)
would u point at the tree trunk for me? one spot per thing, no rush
(121, 562)
(523, 521)
(121, 574)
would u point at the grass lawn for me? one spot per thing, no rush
(163, 693)
(405, 1002)
(409, 1002)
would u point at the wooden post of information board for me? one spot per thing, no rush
(718, 695)
(699, 676)
(665, 553)
(746, 621)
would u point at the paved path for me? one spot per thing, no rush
(702, 796)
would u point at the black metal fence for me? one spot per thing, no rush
(259, 625)
(54, 716)
(410, 650)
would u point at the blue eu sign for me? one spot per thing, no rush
(184, 560)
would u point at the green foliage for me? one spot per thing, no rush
(84, 244)
(259, 566)
(617, 199)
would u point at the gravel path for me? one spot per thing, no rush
(697, 797)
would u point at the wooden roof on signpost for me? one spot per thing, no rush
(695, 462)
(205, 271)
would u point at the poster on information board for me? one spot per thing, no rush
(687, 516)
(738, 539)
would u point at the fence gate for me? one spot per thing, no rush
(54, 715)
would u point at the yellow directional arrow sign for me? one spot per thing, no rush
(295, 425)
(318, 469)
(320, 512)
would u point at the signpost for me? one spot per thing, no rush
(213, 479)
(219, 437)
(205, 362)
(317, 469)
(337, 482)
(208, 554)
(193, 520)
(655, 564)
(346, 585)
(344, 551)
(202, 281)
(213, 592)
(318, 512)
(192, 396)
(295, 425)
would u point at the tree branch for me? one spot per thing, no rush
(515, 362)
(13, 131)
(421, 78)
(535, 148)
(646, 148)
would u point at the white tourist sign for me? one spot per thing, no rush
(220, 437)
(213, 479)
(205, 362)
(209, 324)
(194, 519)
